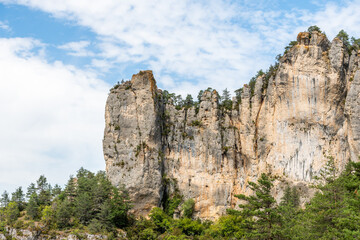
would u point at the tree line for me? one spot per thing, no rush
(89, 203)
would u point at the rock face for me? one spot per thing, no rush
(288, 125)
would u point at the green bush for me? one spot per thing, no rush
(172, 203)
(148, 234)
(190, 227)
(12, 213)
(160, 219)
(188, 208)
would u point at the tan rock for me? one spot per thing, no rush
(309, 110)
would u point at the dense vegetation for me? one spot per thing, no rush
(89, 203)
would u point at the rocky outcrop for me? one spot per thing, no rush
(26, 234)
(306, 110)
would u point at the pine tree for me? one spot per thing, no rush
(32, 208)
(188, 208)
(344, 37)
(19, 197)
(314, 28)
(328, 204)
(101, 191)
(30, 190)
(238, 93)
(188, 102)
(84, 208)
(70, 189)
(105, 216)
(262, 220)
(47, 216)
(5, 199)
(178, 102)
(12, 212)
(56, 191)
(63, 214)
(44, 190)
(225, 100)
(120, 206)
(288, 210)
(199, 96)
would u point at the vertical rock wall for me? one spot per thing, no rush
(287, 126)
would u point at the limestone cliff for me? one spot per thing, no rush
(287, 126)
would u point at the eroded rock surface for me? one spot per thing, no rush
(287, 126)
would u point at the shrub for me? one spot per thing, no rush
(196, 123)
(314, 28)
(188, 208)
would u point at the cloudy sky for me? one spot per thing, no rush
(58, 59)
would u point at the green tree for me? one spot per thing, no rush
(189, 227)
(12, 213)
(56, 191)
(290, 45)
(252, 86)
(355, 43)
(70, 189)
(253, 81)
(44, 190)
(19, 197)
(262, 220)
(168, 97)
(188, 208)
(101, 190)
(199, 96)
(291, 197)
(84, 207)
(344, 37)
(47, 216)
(288, 210)
(32, 208)
(160, 219)
(188, 102)
(5, 199)
(227, 227)
(314, 28)
(104, 217)
(63, 214)
(120, 206)
(327, 204)
(31, 190)
(238, 93)
(178, 102)
(225, 99)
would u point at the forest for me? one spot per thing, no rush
(90, 204)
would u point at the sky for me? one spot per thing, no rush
(59, 58)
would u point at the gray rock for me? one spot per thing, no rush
(309, 110)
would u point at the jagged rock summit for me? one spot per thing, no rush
(287, 126)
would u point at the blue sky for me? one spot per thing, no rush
(59, 58)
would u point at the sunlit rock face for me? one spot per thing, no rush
(287, 125)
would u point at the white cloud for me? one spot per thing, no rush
(52, 116)
(101, 64)
(336, 17)
(77, 48)
(4, 26)
(187, 38)
(216, 43)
